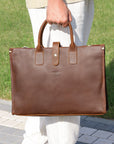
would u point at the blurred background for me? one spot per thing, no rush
(16, 31)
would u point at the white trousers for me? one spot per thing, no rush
(58, 129)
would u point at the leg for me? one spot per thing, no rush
(33, 133)
(66, 129)
(89, 10)
(59, 129)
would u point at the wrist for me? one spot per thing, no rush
(54, 1)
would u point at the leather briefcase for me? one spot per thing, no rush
(58, 80)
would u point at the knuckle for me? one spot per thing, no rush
(58, 21)
(48, 19)
(64, 20)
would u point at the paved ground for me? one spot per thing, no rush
(92, 130)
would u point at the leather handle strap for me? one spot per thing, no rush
(40, 46)
(39, 53)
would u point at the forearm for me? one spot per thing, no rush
(54, 0)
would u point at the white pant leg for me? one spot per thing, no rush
(33, 133)
(59, 129)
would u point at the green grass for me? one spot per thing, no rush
(16, 31)
(102, 32)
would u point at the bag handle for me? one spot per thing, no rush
(40, 46)
(39, 53)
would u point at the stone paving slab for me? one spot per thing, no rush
(112, 130)
(111, 137)
(109, 126)
(100, 120)
(87, 131)
(91, 124)
(104, 127)
(10, 139)
(102, 134)
(87, 139)
(92, 130)
(103, 141)
(12, 131)
(9, 120)
(10, 135)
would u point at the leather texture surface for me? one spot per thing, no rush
(57, 86)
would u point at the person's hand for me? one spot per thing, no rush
(57, 12)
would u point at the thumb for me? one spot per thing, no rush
(70, 16)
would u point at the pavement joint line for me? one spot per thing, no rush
(109, 136)
(94, 132)
(95, 140)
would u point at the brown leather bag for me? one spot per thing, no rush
(58, 80)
